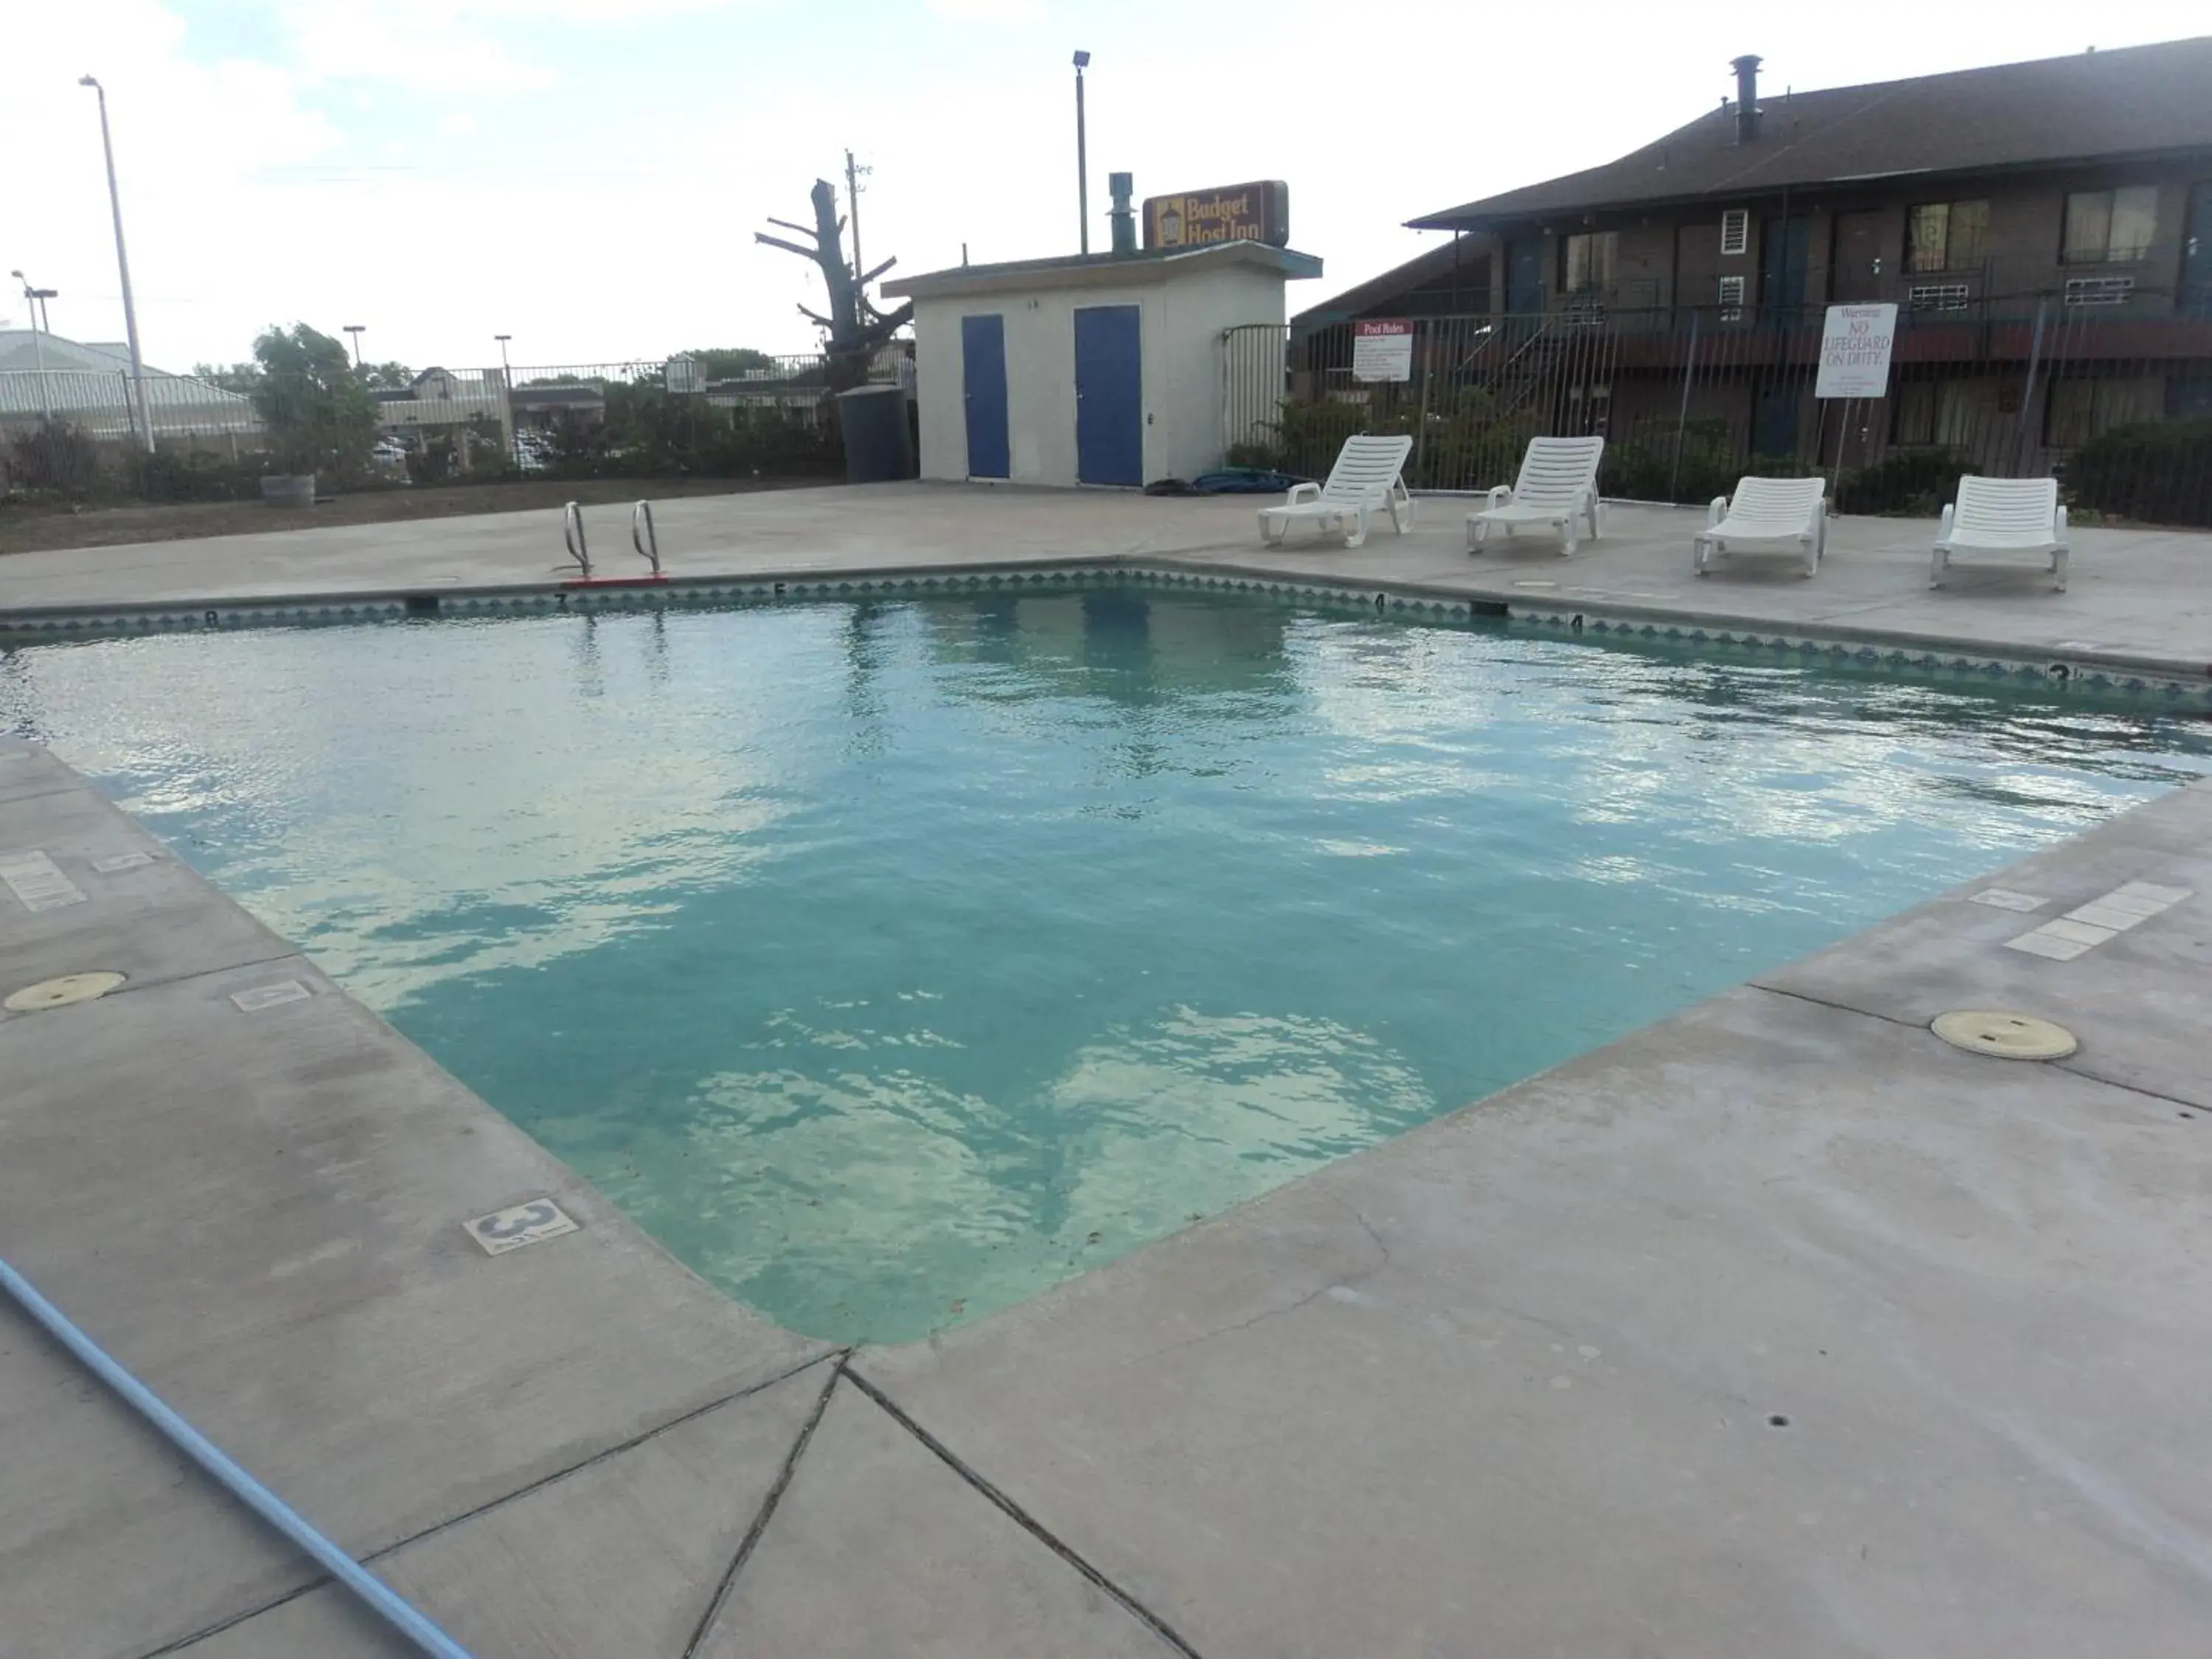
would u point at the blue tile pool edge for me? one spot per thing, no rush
(2101, 674)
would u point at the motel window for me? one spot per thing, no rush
(2111, 224)
(1731, 299)
(2081, 409)
(1946, 235)
(1736, 230)
(1587, 260)
(1914, 422)
(1948, 413)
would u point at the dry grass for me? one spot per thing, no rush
(24, 530)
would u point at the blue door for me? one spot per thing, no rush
(984, 381)
(1524, 276)
(1109, 397)
(2196, 251)
(1784, 248)
(1774, 418)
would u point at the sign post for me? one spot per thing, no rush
(1383, 349)
(1856, 342)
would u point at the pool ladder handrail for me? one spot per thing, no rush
(641, 536)
(572, 532)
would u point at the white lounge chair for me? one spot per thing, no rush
(1557, 487)
(2003, 515)
(1368, 479)
(1768, 510)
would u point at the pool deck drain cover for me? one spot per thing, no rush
(2006, 1034)
(60, 992)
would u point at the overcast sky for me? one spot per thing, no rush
(586, 174)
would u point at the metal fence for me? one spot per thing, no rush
(182, 410)
(2119, 406)
(745, 415)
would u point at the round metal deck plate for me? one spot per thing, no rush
(2004, 1034)
(60, 992)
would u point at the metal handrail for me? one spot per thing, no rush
(642, 535)
(572, 532)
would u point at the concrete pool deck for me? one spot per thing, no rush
(2140, 600)
(1779, 1327)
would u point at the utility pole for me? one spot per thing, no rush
(123, 270)
(41, 325)
(852, 200)
(1082, 160)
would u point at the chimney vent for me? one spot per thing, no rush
(1121, 186)
(1747, 97)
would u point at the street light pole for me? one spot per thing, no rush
(35, 299)
(1082, 160)
(122, 268)
(356, 329)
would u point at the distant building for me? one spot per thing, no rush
(550, 406)
(45, 376)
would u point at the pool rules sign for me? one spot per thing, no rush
(1855, 346)
(1383, 349)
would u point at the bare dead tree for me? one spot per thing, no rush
(853, 329)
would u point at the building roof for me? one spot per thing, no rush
(23, 348)
(562, 394)
(1097, 270)
(1431, 263)
(2135, 101)
(90, 382)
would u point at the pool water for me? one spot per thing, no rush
(890, 962)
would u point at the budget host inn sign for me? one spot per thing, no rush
(1259, 212)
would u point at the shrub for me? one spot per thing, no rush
(648, 434)
(1646, 470)
(168, 476)
(56, 456)
(432, 462)
(1914, 483)
(2160, 472)
(1308, 436)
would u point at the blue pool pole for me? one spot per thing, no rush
(395, 1612)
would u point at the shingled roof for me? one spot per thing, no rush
(2133, 101)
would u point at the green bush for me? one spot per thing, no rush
(1308, 436)
(647, 433)
(168, 476)
(59, 457)
(1644, 468)
(1913, 484)
(1462, 441)
(2160, 472)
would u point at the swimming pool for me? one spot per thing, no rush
(889, 961)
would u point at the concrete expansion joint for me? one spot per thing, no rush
(2070, 1064)
(1346, 1282)
(281, 953)
(1022, 1518)
(837, 1357)
(750, 1541)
